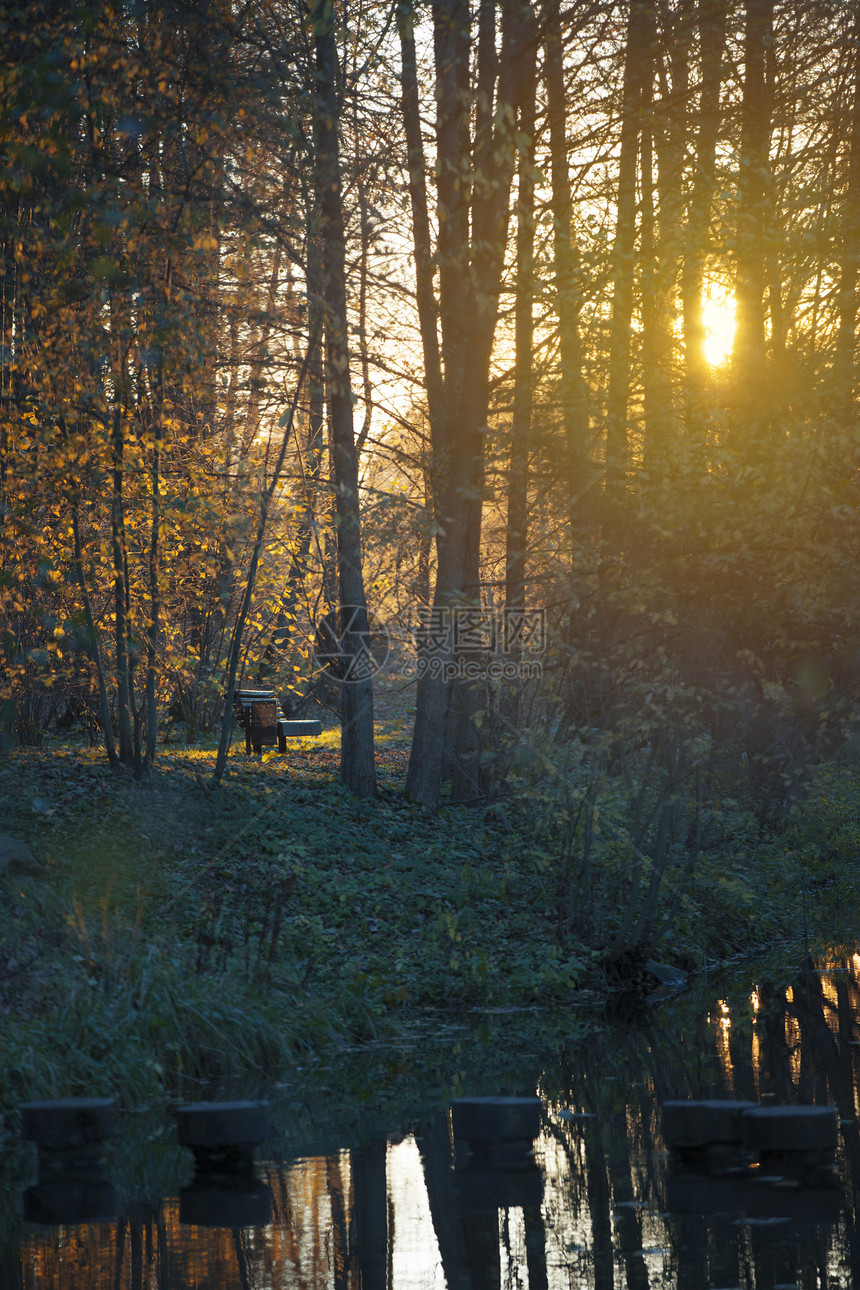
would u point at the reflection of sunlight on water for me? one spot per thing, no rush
(415, 1258)
(513, 1256)
(724, 1048)
(565, 1212)
(828, 990)
(756, 1055)
(792, 1041)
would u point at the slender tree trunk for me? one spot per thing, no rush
(712, 40)
(425, 297)
(363, 350)
(468, 696)
(92, 635)
(7, 313)
(428, 312)
(748, 354)
(150, 706)
(638, 75)
(664, 138)
(425, 541)
(845, 377)
(154, 568)
(120, 589)
(516, 528)
(266, 495)
(451, 25)
(357, 766)
(312, 478)
(567, 274)
(516, 531)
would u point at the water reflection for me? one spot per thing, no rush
(605, 1208)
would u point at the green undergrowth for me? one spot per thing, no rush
(172, 938)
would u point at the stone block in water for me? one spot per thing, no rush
(777, 1129)
(209, 1125)
(496, 1119)
(68, 1123)
(223, 1135)
(690, 1125)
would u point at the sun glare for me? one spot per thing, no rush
(718, 314)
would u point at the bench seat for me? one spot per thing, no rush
(295, 729)
(259, 714)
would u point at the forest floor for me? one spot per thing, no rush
(170, 934)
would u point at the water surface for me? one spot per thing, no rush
(363, 1187)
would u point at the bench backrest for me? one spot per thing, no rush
(264, 722)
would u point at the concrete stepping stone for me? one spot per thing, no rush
(70, 1134)
(691, 1125)
(68, 1124)
(496, 1119)
(223, 1124)
(777, 1129)
(223, 1135)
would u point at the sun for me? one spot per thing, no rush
(718, 316)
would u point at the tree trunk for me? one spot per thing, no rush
(92, 634)
(424, 270)
(312, 476)
(120, 591)
(748, 353)
(665, 139)
(712, 40)
(567, 275)
(638, 74)
(357, 766)
(846, 338)
(469, 283)
(516, 529)
(150, 706)
(266, 495)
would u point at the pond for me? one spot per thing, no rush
(363, 1186)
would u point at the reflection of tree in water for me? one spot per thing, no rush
(468, 1242)
(826, 1007)
(611, 1195)
(611, 1217)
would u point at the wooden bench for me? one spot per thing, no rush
(259, 714)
